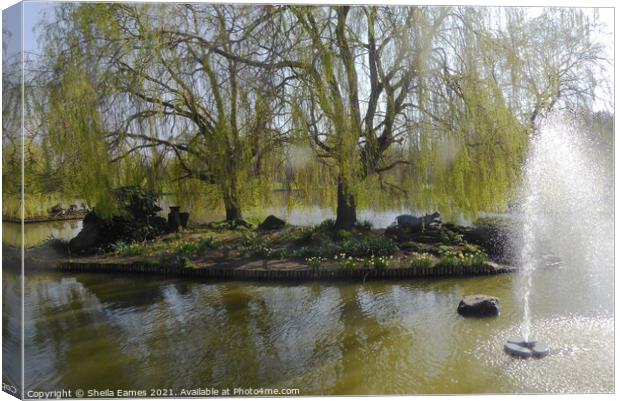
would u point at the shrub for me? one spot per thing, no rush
(304, 252)
(305, 237)
(256, 248)
(315, 262)
(342, 235)
(365, 247)
(379, 262)
(188, 249)
(421, 261)
(363, 226)
(129, 249)
(467, 257)
(348, 262)
(326, 225)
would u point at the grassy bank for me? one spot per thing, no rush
(316, 249)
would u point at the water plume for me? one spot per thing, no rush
(566, 207)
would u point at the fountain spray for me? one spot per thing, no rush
(563, 212)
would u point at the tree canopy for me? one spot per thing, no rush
(428, 105)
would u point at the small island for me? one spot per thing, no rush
(274, 250)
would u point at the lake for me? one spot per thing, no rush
(97, 331)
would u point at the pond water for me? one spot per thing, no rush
(97, 331)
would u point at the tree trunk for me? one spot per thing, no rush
(233, 210)
(231, 199)
(345, 212)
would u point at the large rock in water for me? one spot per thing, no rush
(272, 223)
(478, 306)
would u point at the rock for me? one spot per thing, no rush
(87, 238)
(272, 223)
(137, 222)
(411, 222)
(478, 306)
(91, 218)
(540, 349)
(517, 350)
(174, 221)
(184, 217)
(493, 234)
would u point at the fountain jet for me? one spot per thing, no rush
(563, 212)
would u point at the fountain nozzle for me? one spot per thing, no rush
(522, 348)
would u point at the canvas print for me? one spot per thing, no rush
(219, 199)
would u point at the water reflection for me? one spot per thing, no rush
(100, 331)
(36, 234)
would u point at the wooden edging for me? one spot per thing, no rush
(306, 274)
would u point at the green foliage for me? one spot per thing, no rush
(364, 226)
(327, 225)
(197, 248)
(378, 262)
(255, 247)
(136, 201)
(421, 261)
(305, 237)
(450, 237)
(76, 141)
(131, 249)
(492, 223)
(348, 262)
(343, 235)
(315, 262)
(469, 256)
(359, 247)
(121, 103)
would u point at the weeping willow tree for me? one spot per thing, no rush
(168, 98)
(76, 139)
(468, 145)
(431, 105)
(23, 154)
(552, 61)
(354, 76)
(386, 91)
(12, 138)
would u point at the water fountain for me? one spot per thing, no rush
(563, 211)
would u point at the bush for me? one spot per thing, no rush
(315, 262)
(363, 226)
(255, 247)
(422, 261)
(129, 249)
(365, 247)
(469, 256)
(188, 249)
(305, 237)
(342, 235)
(327, 225)
(379, 262)
(348, 262)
